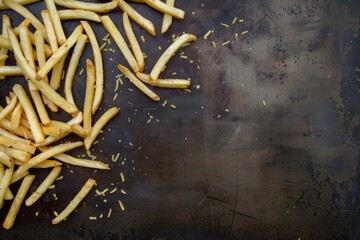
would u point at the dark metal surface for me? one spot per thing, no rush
(281, 164)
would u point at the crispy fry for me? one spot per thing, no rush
(103, 120)
(50, 31)
(59, 53)
(146, 24)
(48, 164)
(165, 83)
(167, 19)
(17, 154)
(61, 125)
(5, 159)
(98, 66)
(94, 7)
(22, 2)
(44, 186)
(120, 42)
(10, 71)
(138, 54)
(78, 130)
(17, 145)
(7, 134)
(57, 72)
(9, 108)
(25, 23)
(165, 57)
(18, 177)
(6, 124)
(5, 182)
(59, 31)
(3, 51)
(51, 131)
(73, 64)
(79, 14)
(75, 202)
(89, 95)
(133, 79)
(164, 8)
(17, 202)
(8, 193)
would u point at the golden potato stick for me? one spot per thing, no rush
(165, 83)
(51, 131)
(48, 164)
(18, 177)
(59, 53)
(5, 182)
(5, 43)
(50, 31)
(17, 154)
(9, 108)
(164, 8)
(47, 154)
(24, 12)
(6, 124)
(30, 113)
(101, 122)
(94, 7)
(89, 95)
(167, 19)
(10, 71)
(146, 24)
(133, 42)
(22, 2)
(75, 202)
(3, 57)
(73, 64)
(57, 73)
(44, 186)
(5, 159)
(62, 126)
(59, 31)
(78, 14)
(47, 48)
(134, 80)
(25, 23)
(42, 86)
(3, 51)
(98, 66)
(7, 134)
(8, 193)
(17, 202)
(17, 145)
(120, 42)
(165, 57)
(78, 130)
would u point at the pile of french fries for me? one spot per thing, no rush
(27, 133)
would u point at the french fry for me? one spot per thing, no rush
(5, 43)
(3, 51)
(146, 24)
(8, 193)
(7, 134)
(165, 83)
(134, 80)
(30, 113)
(17, 202)
(17, 145)
(46, 155)
(44, 186)
(61, 126)
(78, 14)
(59, 31)
(9, 108)
(59, 53)
(10, 71)
(75, 201)
(165, 57)
(57, 72)
(73, 64)
(94, 7)
(120, 42)
(17, 7)
(6, 124)
(18, 177)
(89, 95)
(78, 130)
(5, 182)
(50, 31)
(138, 54)
(167, 19)
(22, 2)
(164, 8)
(51, 131)
(100, 123)
(48, 164)
(5, 159)
(25, 23)
(98, 66)
(16, 154)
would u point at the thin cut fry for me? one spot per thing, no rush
(44, 186)
(48, 164)
(98, 66)
(165, 83)
(167, 19)
(163, 7)
(103, 120)
(25, 23)
(59, 31)
(57, 72)
(8, 193)
(10, 71)
(78, 130)
(18, 177)
(50, 31)
(17, 154)
(7, 134)
(89, 95)
(146, 24)
(5, 159)
(17, 202)
(75, 202)
(120, 42)
(133, 42)
(94, 7)
(60, 125)
(16, 116)
(78, 14)
(147, 91)
(22, 2)
(6, 124)
(17, 145)
(3, 51)
(51, 130)
(5, 182)
(165, 57)
(9, 108)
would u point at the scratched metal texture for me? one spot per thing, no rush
(281, 163)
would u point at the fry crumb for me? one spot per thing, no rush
(59, 178)
(225, 43)
(236, 37)
(241, 20)
(173, 106)
(81, 71)
(234, 21)
(92, 218)
(214, 44)
(51, 187)
(109, 213)
(224, 25)
(37, 214)
(112, 191)
(206, 36)
(244, 32)
(122, 177)
(121, 205)
(143, 38)
(184, 57)
(101, 215)
(56, 213)
(264, 103)
(164, 103)
(174, 73)
(227, 110)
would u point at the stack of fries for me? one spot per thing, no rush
(26, 130)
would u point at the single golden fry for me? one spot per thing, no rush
(59, 31)
(17, 154)
(133, 42)
(57, 72)
(133, 79)
(93, 7)
(17, 202)
(165, 83)
(12, 136)
(98, 66)
(10, 71)
(3, 51)
(75, 202)
(51, 130)
(60, 125)
(50, 31)
(78, 14)
(165, 57)
(167, 19)
(9, 108)
(101, 122)
(5, 159)
(8, 193)
(21, 2)
(6, 124)
(89, 95)
(146, 24)
(164, 8)
(18, 177)
(5, 182)
(5, 43)
(120, 42)
(17, 145)
(78, 130)
(59, 53)
(44, 186)
(25, 23)
(48, 164)
(73, 64)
